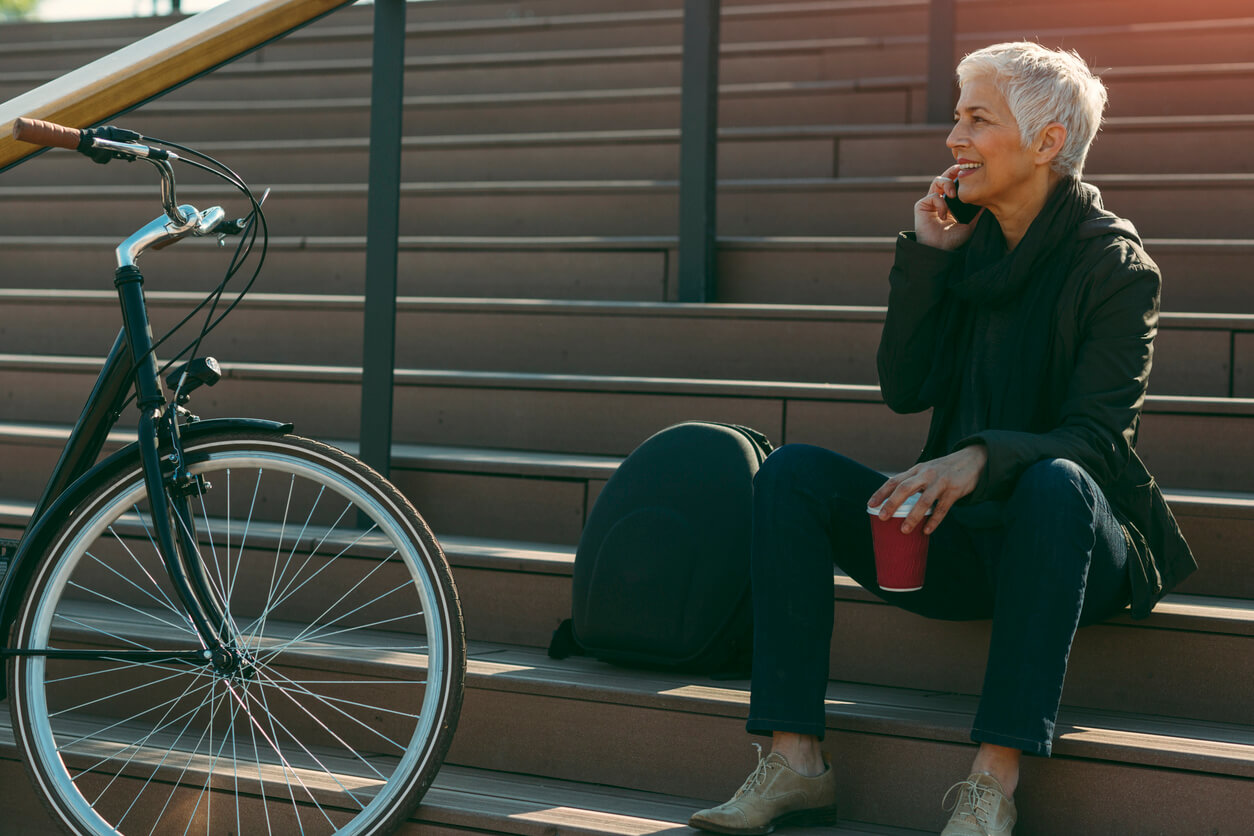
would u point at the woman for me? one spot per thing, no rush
(1029, 333)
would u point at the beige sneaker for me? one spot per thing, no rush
(775, 794)
(981, 809)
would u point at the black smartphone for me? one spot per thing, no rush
(963, 213)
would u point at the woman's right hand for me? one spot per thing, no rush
(933, 225)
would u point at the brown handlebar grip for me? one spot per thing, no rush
(39, 132)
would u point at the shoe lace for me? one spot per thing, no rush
(981, 799)
(758, 776)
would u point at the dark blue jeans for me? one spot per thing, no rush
(1049, 559)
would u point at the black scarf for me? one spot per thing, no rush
(1000, 322)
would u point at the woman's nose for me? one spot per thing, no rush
(956, 136)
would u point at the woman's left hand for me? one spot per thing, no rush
(942, 482)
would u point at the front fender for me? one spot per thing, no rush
(22, 565)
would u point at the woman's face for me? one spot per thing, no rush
(986, 140)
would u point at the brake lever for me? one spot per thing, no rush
(238, 225)
(108, 134)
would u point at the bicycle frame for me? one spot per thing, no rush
(131, 362)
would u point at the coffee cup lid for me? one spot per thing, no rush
(902, 510)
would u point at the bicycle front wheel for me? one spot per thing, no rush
(343, 613)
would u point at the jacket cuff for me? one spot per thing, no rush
(920, 270)
(984, 487)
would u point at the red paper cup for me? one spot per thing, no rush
(900, 559)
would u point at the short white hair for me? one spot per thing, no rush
(1043, 85)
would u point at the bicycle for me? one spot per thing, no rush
(274, 644)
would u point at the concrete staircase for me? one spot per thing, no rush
(539, 343)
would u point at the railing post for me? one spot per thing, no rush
(383, 229)
(698, 152)
(940, 61)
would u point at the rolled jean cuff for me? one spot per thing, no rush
(758, 725)
(1028, 746)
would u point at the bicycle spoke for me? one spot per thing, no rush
(204, 790)
(90, 628)
(323, 636)
(265, 805)
(112, 696)
(396, 712)
(338, 739)
(157, 666)
(156, 550)
(278, 549)
(136, 610)
(239, 557)
(350, 591)
(135, 559)
(287, 591)
(328, 702)
(174, 785)
(314, 757)
(287, 765)
(137, 746)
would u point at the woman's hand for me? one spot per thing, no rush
(942, 482)
(933, 225)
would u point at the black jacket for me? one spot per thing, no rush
(1094, 383)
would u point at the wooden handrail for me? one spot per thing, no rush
(149, 67)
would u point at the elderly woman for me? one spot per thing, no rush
(1029, 333)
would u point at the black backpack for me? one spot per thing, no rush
(662, 570)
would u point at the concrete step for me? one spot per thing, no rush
(481, 500)
(1201, 274)
(519, 592)
(557, 720)
(918, 737)
(1187, 205)
(802, 49)
(478, 801)
(512, 682)
(344, 35)
(608, 267)
(532, 583)
(544, 497)
(1189, 443)
(1196, 443)
(882, 101)
(1135, 91)
(1196, 354)
(495, 14)
(1126, 146)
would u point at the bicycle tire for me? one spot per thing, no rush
(348, 705)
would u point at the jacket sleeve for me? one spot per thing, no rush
(1098, 417)
(913, 324)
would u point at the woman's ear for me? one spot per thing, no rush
(1050, 142)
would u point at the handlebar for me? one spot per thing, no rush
(110, 143)
(48, 134)
(102, 145)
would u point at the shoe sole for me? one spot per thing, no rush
(801, 818)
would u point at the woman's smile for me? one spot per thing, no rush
(966, 168)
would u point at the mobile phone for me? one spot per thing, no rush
(963, 213)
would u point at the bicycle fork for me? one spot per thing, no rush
(169, 484)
